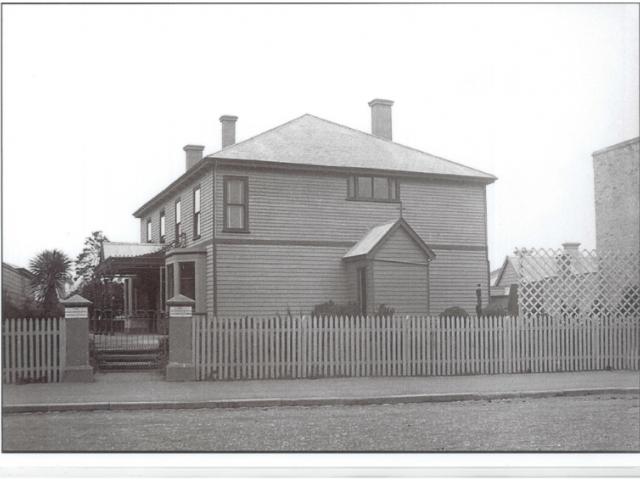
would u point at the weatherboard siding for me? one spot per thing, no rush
(303, 206)
(401, 247)
(445, 212)
(401, 286)
(290, 207)
(312, 206)
(209, 284)
(453, 279)
(298, 206)
(270, 280)
(185, 194)
(400, 275)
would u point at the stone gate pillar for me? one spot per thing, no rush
(76, 314)
(180, 367)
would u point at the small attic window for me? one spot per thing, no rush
(372, 188)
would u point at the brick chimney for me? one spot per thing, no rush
(228, 130)
(194, 154)
(570, 257)
(381, 118)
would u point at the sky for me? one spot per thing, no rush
(98, 101)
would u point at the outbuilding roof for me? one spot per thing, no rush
(310, 140)
(533, 268)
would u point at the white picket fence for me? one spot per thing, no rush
(304, 347)
(33, 350)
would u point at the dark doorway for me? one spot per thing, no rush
(362, 290)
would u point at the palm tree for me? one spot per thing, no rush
(51, 270)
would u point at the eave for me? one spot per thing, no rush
(209, 162)
(198, 168)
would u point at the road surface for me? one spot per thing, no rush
(587, 423)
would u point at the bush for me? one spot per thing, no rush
(331, 308)
(27, 310)
(454, 312)
(494, 310)
(384, 311)
(351, 309)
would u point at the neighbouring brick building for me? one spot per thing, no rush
(617, 196)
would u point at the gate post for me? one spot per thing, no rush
(76, 314)
(180, 367)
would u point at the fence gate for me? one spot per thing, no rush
(128, 343)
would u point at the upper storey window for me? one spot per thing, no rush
(196, 213)
(377, 189)
(162, 227)
(236, 204)
(178, 226)
(149, 231)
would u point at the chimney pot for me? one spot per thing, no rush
(381, 118)
(571, 246)
(228, 130)
(194, 154)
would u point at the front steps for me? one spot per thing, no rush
(128, 360)
(126, 352)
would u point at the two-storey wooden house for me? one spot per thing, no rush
(308, 212)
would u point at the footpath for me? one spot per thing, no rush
(148, 390)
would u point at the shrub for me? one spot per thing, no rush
(454, 312)
(384, 311)
(331, 308)
(351, 309)
(494, 310)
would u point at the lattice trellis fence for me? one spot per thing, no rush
(569, 283)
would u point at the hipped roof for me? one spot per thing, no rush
(312, 142)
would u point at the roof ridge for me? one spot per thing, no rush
(399, 144)
(228, 147)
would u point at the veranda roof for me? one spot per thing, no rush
(122, 258)
(124, 249)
